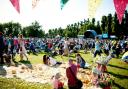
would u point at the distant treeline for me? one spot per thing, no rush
(108, 24)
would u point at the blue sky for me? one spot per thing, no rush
(49, 14)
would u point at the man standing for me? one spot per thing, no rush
(11, 45)
(1, 48)
(97, 47)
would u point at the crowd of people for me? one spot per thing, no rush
(12, 45)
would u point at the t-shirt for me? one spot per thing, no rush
(11, 41)
(97, 46)
(52, 61)
(71, 79)
(57, 84)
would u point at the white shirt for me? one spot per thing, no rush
(52, 61)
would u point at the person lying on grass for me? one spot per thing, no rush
(81, 62)
(50, 61)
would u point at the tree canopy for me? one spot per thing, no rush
(109, 24)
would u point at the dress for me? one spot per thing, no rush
(66, 50)
(22, 47)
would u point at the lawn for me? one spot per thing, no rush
(116, 68)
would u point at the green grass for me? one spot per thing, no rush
(116, 68)
(13, 83)
(119, 70)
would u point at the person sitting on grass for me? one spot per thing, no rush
(81, 62)
(45, 60)
(50, 61)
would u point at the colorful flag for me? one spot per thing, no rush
(63, 3)
(16, 5)
(34, 3)
(127, 2)
(120, 6)
(92, 7)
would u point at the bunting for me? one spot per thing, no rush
(92, 7)
(34, 3)
(120, 6)
(127, 2)
(63, 3)
(16, 5)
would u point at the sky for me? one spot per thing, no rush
(49, 14)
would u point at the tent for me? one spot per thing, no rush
(90, 34)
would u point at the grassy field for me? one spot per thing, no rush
(116, 68)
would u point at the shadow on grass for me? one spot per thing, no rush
(27, 63)
(118, 75)
(117, 66)
(80, 52)
(35, 54)
(119, 86)
(15, 62)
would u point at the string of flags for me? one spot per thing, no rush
(16, 5)
(34, 3)
(93, 6)
(120, 6)
(63, 3)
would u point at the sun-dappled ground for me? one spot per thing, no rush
(116, 68)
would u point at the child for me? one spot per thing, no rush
(57, 84)
(95, 76)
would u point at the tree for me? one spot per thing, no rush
(103, 23)
(12, 28)
(34, 30)
(98, 30)
(109, 25)
(16, 29)
(60, 32)
(24, 32)
(126, 23)
(1, 28)
(93, 21)
(50, 33)
(116, 25)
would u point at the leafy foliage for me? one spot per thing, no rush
(108, 24)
